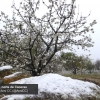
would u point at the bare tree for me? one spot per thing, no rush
(43, 36)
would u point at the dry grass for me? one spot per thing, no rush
(5, 73)
(14, 78)
(95, 78)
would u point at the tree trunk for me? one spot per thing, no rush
(34, 73)
(75, 70)
(39, 71)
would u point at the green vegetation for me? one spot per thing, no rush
(73, 62)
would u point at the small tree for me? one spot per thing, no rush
(90, 66)
(68, 60)
(97, 64)
(56, 30)
(73, 62)
(87, 64)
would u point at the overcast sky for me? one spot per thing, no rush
(85, 6)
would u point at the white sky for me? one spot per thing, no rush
(85, 6)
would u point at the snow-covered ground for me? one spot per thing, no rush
(56, 84)
(12, 75)
(5, 67)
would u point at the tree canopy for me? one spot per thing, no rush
(43, 36)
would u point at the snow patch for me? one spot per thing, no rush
(12, 75)
(5, 67)
(57, 84)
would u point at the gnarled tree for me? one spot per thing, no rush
(43, 36)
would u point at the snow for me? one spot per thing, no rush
(12, 75)
(56, 84)
(5, 67)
